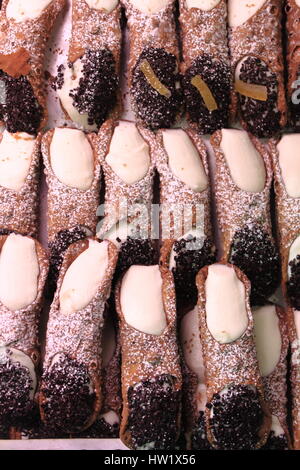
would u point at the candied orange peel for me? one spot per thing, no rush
(257, 92)
(205, 92)
(153, 80)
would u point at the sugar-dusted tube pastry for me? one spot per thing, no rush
(127, 158)
(88, 85)
(126, 155)
(73, 173)
(293, 61)
(272, 343)
(25, 28)
(154, 81)
(206, 65)
(73, 340)
(23, 273)
(286, 163)
(236, 413)
(19, 182)
(257, 65)
(182, 163)
(243, 188)
(151, 375)
(194, 384)
(294, 334)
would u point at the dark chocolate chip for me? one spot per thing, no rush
(20, 110)
(59, 80)
(154, 109)
(217, 76)
(69, 402)
(153, 413)
(262, 117)
(253, 251)
(236, 418)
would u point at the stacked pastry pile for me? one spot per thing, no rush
(167, 343)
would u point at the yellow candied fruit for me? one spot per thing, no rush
(257, 92)
(153, 80)
(205, 92)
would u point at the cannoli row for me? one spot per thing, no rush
(272, 343)
(88, 86)
(73, 340)
(25, 29)
(151, 375)
(294, 334)
(243, 190)
(257, 65)
(286, 164)
(153, 77)
(292, 8)
(236, 414)
(73, 173)
(206, 65)
(23, 273)
(194, 384)
(182, 163)
(127, 156)
(19, 183)
(107, 424)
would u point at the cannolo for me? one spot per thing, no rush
(25, 29)
(206, 64)
(294, 333)
(88, 86)
(293, 61)
(23, 273)
(127, 157)
(19, 182)
(243, 208)
(73, 340)
(271, 340)
(194, 384)
(151, 375)
(153, 77)
(236, 415)
(185, 209)
(73, 174)
(286, 163)
(107, 425)
(257, 65)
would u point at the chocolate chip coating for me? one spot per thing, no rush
(262, 117)
(189, 261)
(153, 109)
(236, 418)
(20, 109)
(68, 401)
(153, 411)
(254, 252)
(15, 388)
(217, 76)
